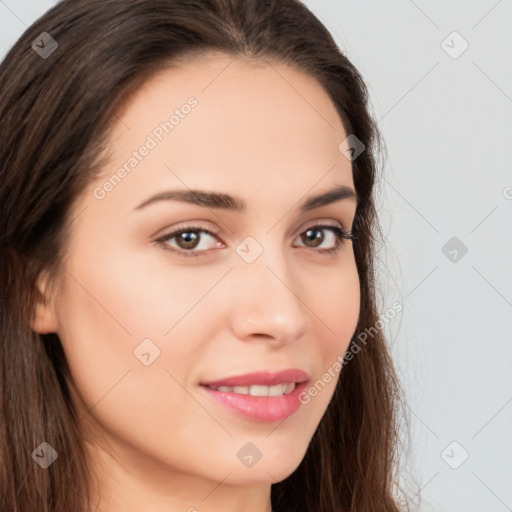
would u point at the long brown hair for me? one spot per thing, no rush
(55, 114)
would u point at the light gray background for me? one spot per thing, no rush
(447, 123)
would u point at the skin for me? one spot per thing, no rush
(268, 134)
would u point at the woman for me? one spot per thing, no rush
(134, 135)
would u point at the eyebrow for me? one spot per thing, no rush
(237, 204)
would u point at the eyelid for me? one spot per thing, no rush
(189, 226)
(196, 225)
(323, 223)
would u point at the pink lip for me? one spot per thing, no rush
(265, 409)
(261, 378)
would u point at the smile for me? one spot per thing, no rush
(258, 390)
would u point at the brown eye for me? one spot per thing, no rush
(313, 235)
(187, 239)
(191, 241)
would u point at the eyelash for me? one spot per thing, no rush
(338, 231)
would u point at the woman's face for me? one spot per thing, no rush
(146, 316)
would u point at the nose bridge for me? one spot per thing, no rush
(265, 300)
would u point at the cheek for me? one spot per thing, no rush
(125, 321)
(111, 322)
(337, 305)
(132, 296)
(103, 320)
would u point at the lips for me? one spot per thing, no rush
(261, 396)
(261, 378)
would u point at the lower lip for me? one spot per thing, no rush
(264, 409)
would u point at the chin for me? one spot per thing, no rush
(271, 471)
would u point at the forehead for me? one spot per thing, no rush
(218, 79)
(253, 124)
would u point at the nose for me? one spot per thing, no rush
(265, 300)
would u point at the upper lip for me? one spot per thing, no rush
(262, 378)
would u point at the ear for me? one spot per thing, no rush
(44, 320)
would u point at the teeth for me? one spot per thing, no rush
(257, 390)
